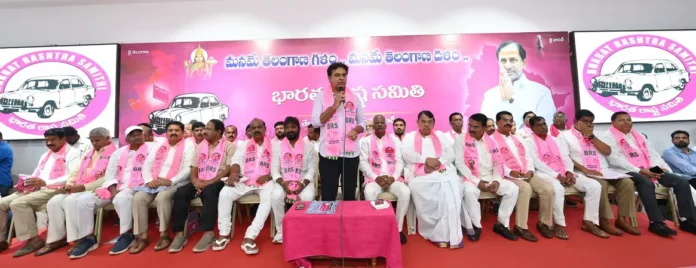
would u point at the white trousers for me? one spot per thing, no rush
(400, 190)
(278, 204)
(72, 214)
(123, 203)
(591, 188)
(507, 190)
(229, 195)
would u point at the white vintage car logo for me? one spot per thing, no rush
(186, 108)
(43, 95)
(641, 78)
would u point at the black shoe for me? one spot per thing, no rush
(4, 246)
(476, 236)
(687, 226)
(661, 229)
(500, 229)
(571, 204)
(403, 238)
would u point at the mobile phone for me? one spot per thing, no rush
(657, 170)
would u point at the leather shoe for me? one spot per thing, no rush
(687, 226)
(624, 226)
(476, 236)
(140, 245)
(29, 248)
(661, 229)
(500, 229)
(607, 227)
(402, 236)
(545, 230)
(590, 227)
(525, 234)
(4, 246)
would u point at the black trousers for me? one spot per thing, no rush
(680, 186)
(331, 170)
(182, 202)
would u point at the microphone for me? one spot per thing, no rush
(342, 89)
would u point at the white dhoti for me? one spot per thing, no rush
(278, 204)
(72, 214)
(438, 202)
(591, 188)
(398, 189)
(229, 195)
(123, 204)
(507, 190)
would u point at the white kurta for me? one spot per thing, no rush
(182, 175)
(436, 196)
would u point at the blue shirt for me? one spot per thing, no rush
(680, 162)
(6, 159)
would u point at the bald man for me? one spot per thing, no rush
(231, 133)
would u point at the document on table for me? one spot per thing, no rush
(608, 174)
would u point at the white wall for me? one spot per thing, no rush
(263, 19)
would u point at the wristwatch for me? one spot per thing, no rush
(591, 137)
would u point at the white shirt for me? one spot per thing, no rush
(618, 159)
(309, 161)
(488, 168)
(452, 135)
(411, 157)
(319, 108)
(83, 144)
(182, 176)
(365, 151)
(73, 159)
(238, 157)
(528, 96)
(513, 150)
(543, 167)
(569, 144)
(112, 168)
(523, 132)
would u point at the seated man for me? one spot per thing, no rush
(123, 175)
(634, 155)
(211, 165)
(525, 130)
(588, 154)
(197, 135)
(556, 168)
(231, 133)
(456, 121)
(434, 183)
(166, 168)
(680, 158)
(294, 172)
(250, 173)
(72, 211)
(382, 165)
(54, 168)
(478, 159)
(519, 169)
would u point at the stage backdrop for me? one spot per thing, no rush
(395, 76)
(647, 74)
(59, 86)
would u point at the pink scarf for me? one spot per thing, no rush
(550, 154)
(291, 164)
(418, 147)
(255, 166)
(388, 153)
(555, 131)
(161, 156)
(510, 160)
(208, 165)
(335, 139)
(59, 167)
(471, 155)
(453, 134)
(136, 177)
(639, 157)
(590, 158)
(526, 130)
(97, 168)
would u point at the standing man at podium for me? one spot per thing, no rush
(340, 116)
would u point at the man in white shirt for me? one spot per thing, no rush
(434, 183)
(197, 135)
(490, 126)
(250, 173)
(588, 154)
(560, 124)
(339, 114)
(279, 129)
(456, 121)
(75, 140)
(477, 158)
(515, 92)
(71, 213)
(556, 168)
(231, 133)
(525, 130)
(293, 167)
(634, 155)
(166, 168)
(55, 166)
(399, 126)
(382, 164)
(519, 169)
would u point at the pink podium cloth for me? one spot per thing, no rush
(367, 233)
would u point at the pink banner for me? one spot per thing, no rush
(394, 76)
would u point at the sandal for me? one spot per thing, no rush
(250, 248)
(593, 229)
(220, 244)
(560, 232)
(163, 243)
